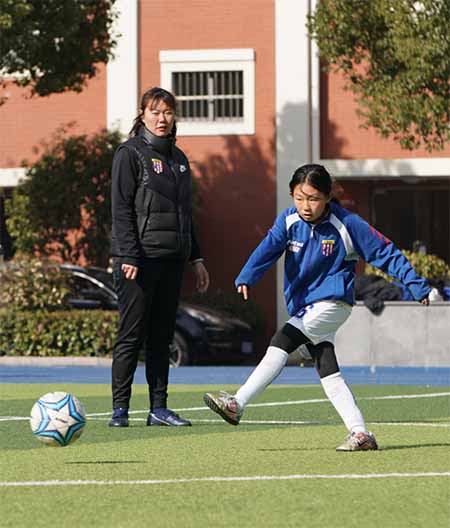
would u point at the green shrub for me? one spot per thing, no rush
(29, 284)
(35, 319)
(59, 333)
(430, 267)
(62, 207)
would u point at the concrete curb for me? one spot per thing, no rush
(69, 361)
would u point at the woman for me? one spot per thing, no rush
(322, 242)
(152, 238)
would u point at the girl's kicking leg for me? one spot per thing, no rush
(231, 408)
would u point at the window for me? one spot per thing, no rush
(214, 88)
(209, 96)
(424, 215)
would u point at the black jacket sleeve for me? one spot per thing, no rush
(125, 172)
(196, 253)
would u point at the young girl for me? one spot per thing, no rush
(322, 242)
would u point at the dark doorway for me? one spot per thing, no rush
(414, 212)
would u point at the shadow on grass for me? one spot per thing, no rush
(414, 446)
(384, 448)
(283, 449)
(107, 462)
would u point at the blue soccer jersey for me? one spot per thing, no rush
(320, 258)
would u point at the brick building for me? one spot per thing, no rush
(254, 107)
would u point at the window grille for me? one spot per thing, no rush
(209, 96)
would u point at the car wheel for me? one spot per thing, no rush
(179, 351)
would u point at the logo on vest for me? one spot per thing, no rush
(327, 247)
(183, 168)
(157, 165)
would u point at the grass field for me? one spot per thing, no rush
(278, 468)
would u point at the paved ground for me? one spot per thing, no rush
(223, 375)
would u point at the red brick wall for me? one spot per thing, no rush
(26, 122)
(341, 136)
(236, 174)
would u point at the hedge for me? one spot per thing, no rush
(57, 333)
(429, 266)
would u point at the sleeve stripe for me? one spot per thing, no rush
(346, 239)
(291, 219)
(379, 235)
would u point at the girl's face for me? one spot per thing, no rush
(159, 118)
(309, 202)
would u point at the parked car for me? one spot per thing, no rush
(203, 335)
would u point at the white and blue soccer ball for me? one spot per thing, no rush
(57, 419)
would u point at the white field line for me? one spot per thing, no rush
(294, 422)
(299, 402)
(418, 424)
(39, 483)
(266, 404)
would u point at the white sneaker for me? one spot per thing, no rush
(225, 405)
(359, 442)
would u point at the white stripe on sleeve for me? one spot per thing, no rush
(291, 219)
(346, 239)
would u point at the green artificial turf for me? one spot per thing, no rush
(413, 434)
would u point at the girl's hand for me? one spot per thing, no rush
(243, 290)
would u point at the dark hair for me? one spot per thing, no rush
(315, 175)
(153, 95)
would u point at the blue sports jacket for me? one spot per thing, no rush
(320, 258)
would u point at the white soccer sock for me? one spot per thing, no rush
(340, 395)
(266, 371)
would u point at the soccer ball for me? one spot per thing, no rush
(57, 419)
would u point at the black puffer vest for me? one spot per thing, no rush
(163, 203)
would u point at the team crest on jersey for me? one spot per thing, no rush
(183, 168)
(157, 165)
(327, 247)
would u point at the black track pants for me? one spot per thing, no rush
(147, 309)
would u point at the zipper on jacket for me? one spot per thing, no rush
(148, 198)
(308, 254)
(308, 248)
(171, 164)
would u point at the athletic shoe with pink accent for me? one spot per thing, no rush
(359, 442)
(225, 405)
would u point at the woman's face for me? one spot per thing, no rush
(309, 202)
(159, 118)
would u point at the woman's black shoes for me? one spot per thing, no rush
(162, 416)
(159, 416)
(119, 418)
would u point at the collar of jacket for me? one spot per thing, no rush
(163, 145)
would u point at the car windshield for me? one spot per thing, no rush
(101, 275)
(83, 288)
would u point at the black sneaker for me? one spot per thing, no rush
(119, 417)
(162, 416)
